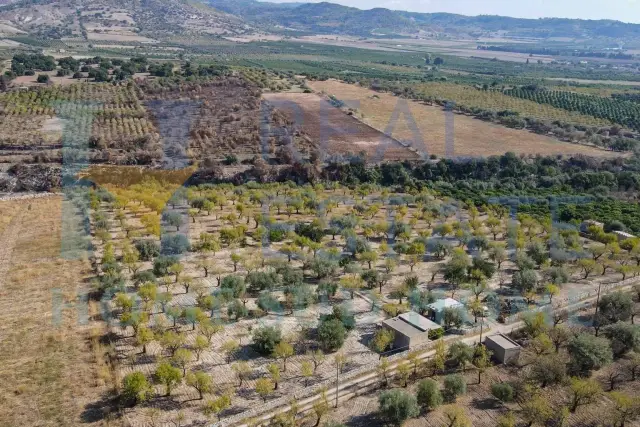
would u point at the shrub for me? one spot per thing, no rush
(234, 283)
(265, 339)
(502, 391)
(397, 406)
(323, 267)
(614, 225)
(331, 334)
(311, 231)
(428, 395)
(394, 310)
(162, 263)
(175, 244)
(588, 352)
(148, 249)
(623, 337)
(435, 334)
(135, 387)
(43, 78)
(454, 386)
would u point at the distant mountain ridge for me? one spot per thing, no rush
(113, 19)
(148, 20)
(331, 18)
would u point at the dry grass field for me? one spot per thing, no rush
(472, 137)
(338, 132)
(49, 373)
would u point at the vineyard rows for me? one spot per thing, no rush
(622, 112)
(498, 101)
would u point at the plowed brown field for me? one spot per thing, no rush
(337, 132)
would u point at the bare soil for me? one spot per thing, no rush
(338, 132)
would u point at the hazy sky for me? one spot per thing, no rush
(623, 10)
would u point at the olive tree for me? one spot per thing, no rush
(397, 406)
(588, 353)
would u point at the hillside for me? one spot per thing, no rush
(149, 20)
(337, 19)
(117, 20)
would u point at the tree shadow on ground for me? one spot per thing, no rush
(234, 410)
(246, 353)
(365, 420)
(105, 407)
(485, 403)
(145, 359)
(246, 393)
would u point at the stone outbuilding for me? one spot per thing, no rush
(436, 309)
(410, 330)
(505, 350)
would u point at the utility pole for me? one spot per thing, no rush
(337, 383)
(340, 360)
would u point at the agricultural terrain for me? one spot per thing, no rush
(482, 409)
(55, 368)
(337, 133)
(196, 286)
(148, 124)
(235, 195)
(472, 137)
